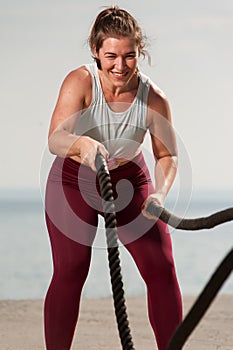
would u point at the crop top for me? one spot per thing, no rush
(123, 132)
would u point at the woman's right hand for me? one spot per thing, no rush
(88, 149)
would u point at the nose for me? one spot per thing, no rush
(120, 63)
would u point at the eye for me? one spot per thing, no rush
(130, 56)
(111, 57)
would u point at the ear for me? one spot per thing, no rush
(95, 52)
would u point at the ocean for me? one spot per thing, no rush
(25, 256)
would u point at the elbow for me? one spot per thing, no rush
(174, 163)
(52, 144)
(169, 161)
(51, 149)
(175, 160)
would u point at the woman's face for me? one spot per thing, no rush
(118, 59)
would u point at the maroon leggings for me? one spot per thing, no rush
(72, 207)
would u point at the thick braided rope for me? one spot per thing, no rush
(216, 281)
(206, 296)
(113, 253)
(202, 303)
(201, 223)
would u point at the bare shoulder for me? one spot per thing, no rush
(158, 102)
(75, 94)
(78, 78)
(76, 88)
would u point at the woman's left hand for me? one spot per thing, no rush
(157, 198)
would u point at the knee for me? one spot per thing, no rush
(158, 269)
(72, 268)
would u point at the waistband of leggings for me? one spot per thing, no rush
(138, 160)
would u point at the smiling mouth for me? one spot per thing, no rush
(116, 74)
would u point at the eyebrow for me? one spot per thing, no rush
(113, 53)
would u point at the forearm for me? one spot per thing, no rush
(64, 144)
(165, 173)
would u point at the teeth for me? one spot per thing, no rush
(119, 74)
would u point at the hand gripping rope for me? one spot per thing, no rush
(209, 292)
(191, 224)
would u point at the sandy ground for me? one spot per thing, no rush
(21, 325)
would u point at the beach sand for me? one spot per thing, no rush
(21, 325)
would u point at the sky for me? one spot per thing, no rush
(192, 53)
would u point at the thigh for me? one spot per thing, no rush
(69, 212)
(131, 223)
(152, 252)
(148, 241)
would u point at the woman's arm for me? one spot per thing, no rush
(75, 95)
(164, 147)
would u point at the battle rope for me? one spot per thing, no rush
(113, 253)
(191, 224)
(217, 279)
(210, 290)
(202, 303)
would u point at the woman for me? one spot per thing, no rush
(106, 107)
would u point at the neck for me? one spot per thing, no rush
(116, 91)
